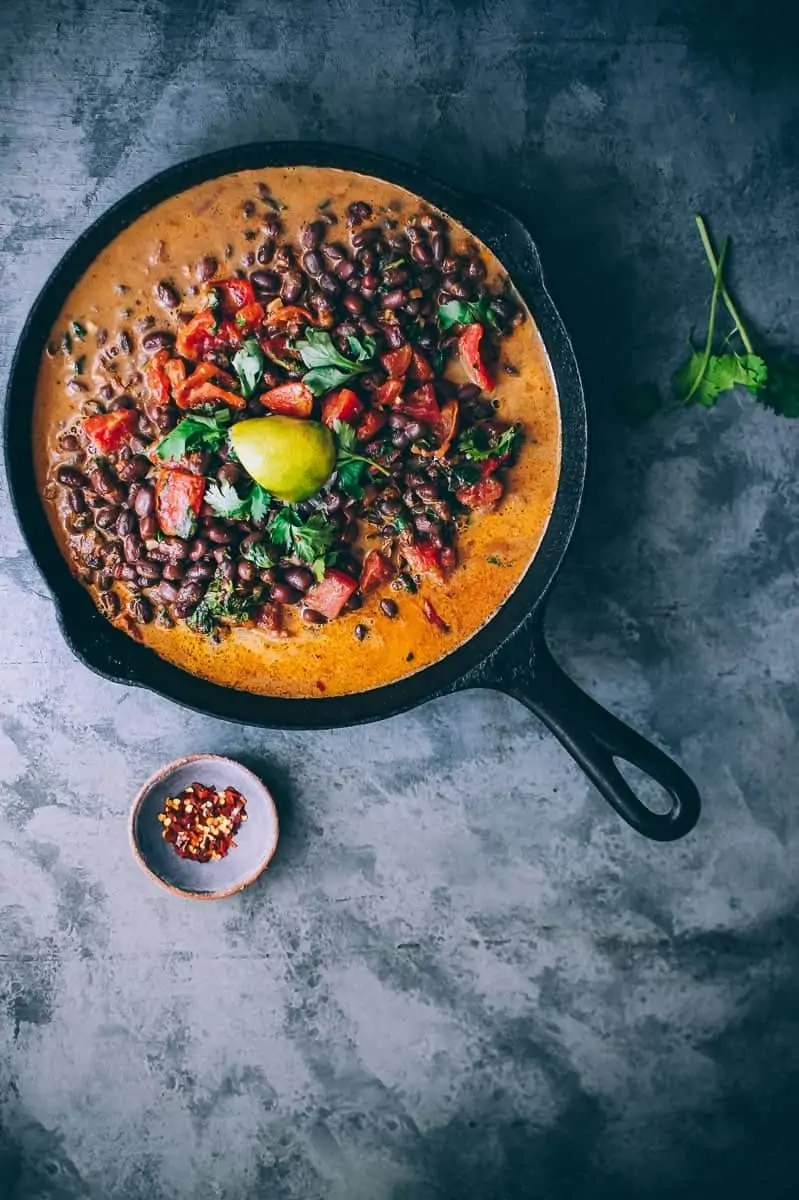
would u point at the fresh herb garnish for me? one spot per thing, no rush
(226, 502)
(478, 445)
(496, 561)
(224, 602)
(309, 540)
(213, 302)
(466, 312)
(248, 363)
(78, 331)
(196, 432)
(327, 368)
(349, 463)
(260, 555)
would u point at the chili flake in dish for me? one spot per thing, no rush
(201, 823)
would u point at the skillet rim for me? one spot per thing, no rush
(114, 655)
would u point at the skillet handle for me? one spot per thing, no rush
(594, 737)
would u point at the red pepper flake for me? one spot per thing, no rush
(201, 822)
(433, 617)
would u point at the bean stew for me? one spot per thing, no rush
(296, 431)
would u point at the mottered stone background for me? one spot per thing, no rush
(464, 977)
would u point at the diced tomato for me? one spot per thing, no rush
(472, 359)
(289, 314)
(389, 392)
(175, 371)
(421, 370)
(269, 618)
(376, 570)
(371, 423)
(195, 337)
(201, 374)
(280, 350)
(109, 431)
(157, 379)
(211, 393)
(423, 558)
(234, 294)
(481, 495)
(397, 362)
(330, 595)
(445, 429)
(341, 405)
(250, 316)
(291, 399)
(178, 500)
(433, 617)
(422, 405)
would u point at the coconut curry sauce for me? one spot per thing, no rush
(106, 318)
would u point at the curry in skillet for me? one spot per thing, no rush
(295, 431)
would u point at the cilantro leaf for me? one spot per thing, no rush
(349, 463)
(327, 368)
(226, 502)
(248, 363)
(466, 312)
(308, 540)
(477, 444)
(196, 432)
(703, 379)
(223, 602)
(260, 555)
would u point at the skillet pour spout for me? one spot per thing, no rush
(508, 653)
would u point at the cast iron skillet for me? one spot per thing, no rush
(508, 654)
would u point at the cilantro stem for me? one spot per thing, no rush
(711, 325)
(725, 295)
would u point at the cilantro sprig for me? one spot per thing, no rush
(222, 602)
(197, 432)
(226, 502)
(350, 464)
(309, 539)
(466, 312)
(327, 368)
(259, 554)
(248, 363)
(477, 444)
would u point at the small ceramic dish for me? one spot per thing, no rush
(256, 840)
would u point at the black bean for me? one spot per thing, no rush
(312, 263)
(167, 591)
(265, 281)
(102, 480)
(220, 554)
(200, 570)
(360, 632)
(353, 303)
(414, 234)
(76, 500)
(327, 283)
(248, 208)
(247, 571)
(291, 286)
(124, 571)
(284, 594)
(298, 577)
(393, 299)
(397, 420)
(227, 570)
(167, 294)
(393, 335)
(265, 251)
(134, 469)
(144, 503)
(126, 522)
(172, 571)
(389, 607)
(148, 528)
(345, 270)
(206, 268)
(190, 593)
(438, 248)
(148, 569)
(132, 547)
(283, 258)
(333, 253)
(71, 477)
(414, 431)
(421, 254)
(475, 269)
(394, 277)
(79, 522)
(198, 549)
(450, 265)
(267, 575)
(357, 212)
(458, 289)
(311, 235)
(400, 439)
(106, 516)
(427, 491)
(229, 473)
(312, 617)
(141, 610)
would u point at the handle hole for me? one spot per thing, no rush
(651, 793)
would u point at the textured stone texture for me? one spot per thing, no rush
(463, 977)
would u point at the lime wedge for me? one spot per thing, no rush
(292, 459)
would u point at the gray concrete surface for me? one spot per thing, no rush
(464, 977)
